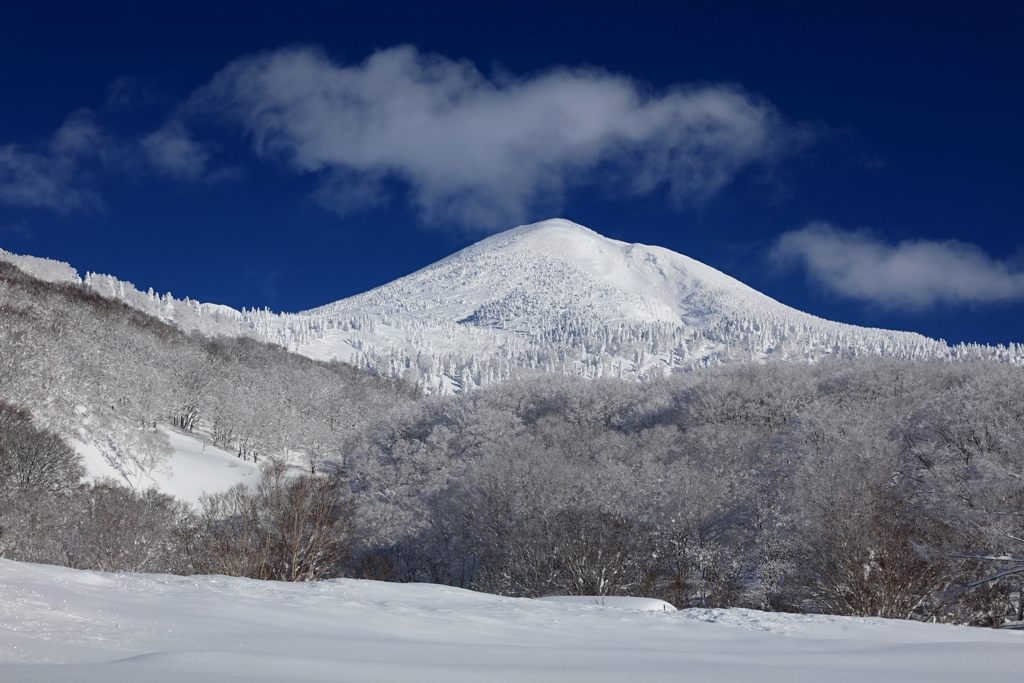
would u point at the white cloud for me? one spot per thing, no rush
(481, 152)
(49, 177)
(914, 274)
(127, 92)
(56, 174)
(172, 151)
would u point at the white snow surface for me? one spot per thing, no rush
(621, 601)
(194, 468)
(59, 624)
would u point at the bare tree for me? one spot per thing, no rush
(294, 527)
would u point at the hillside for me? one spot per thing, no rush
(116, 382)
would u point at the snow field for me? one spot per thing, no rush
(619, 601)
(195, 467)
(59, 624)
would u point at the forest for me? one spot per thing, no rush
(860, 486)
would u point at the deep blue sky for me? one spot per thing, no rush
(910, 117)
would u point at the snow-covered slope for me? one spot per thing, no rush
(60, 624)
(185, 313)
(558, 297)
(47, 270)
(192, 468)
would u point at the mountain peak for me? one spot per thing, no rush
(551, 225)
(552, 229)
(640, 282)
(558, 296)
(554, 235)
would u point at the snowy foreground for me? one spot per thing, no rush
(60, 624)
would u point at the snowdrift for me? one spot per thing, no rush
(59, 624)
(620, 601)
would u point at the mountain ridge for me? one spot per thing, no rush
(556, 296)
(552, 296)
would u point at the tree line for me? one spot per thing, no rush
(875, 487)
(864, 486)
(878, 487)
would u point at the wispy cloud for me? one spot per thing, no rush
(130, 92)
(172, 151)
(914, 274)
(479, 151)
(50, 176)
(59, 174)
(19, 228)
(468, 150)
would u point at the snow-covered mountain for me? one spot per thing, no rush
(555, 296)
(549, 297)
